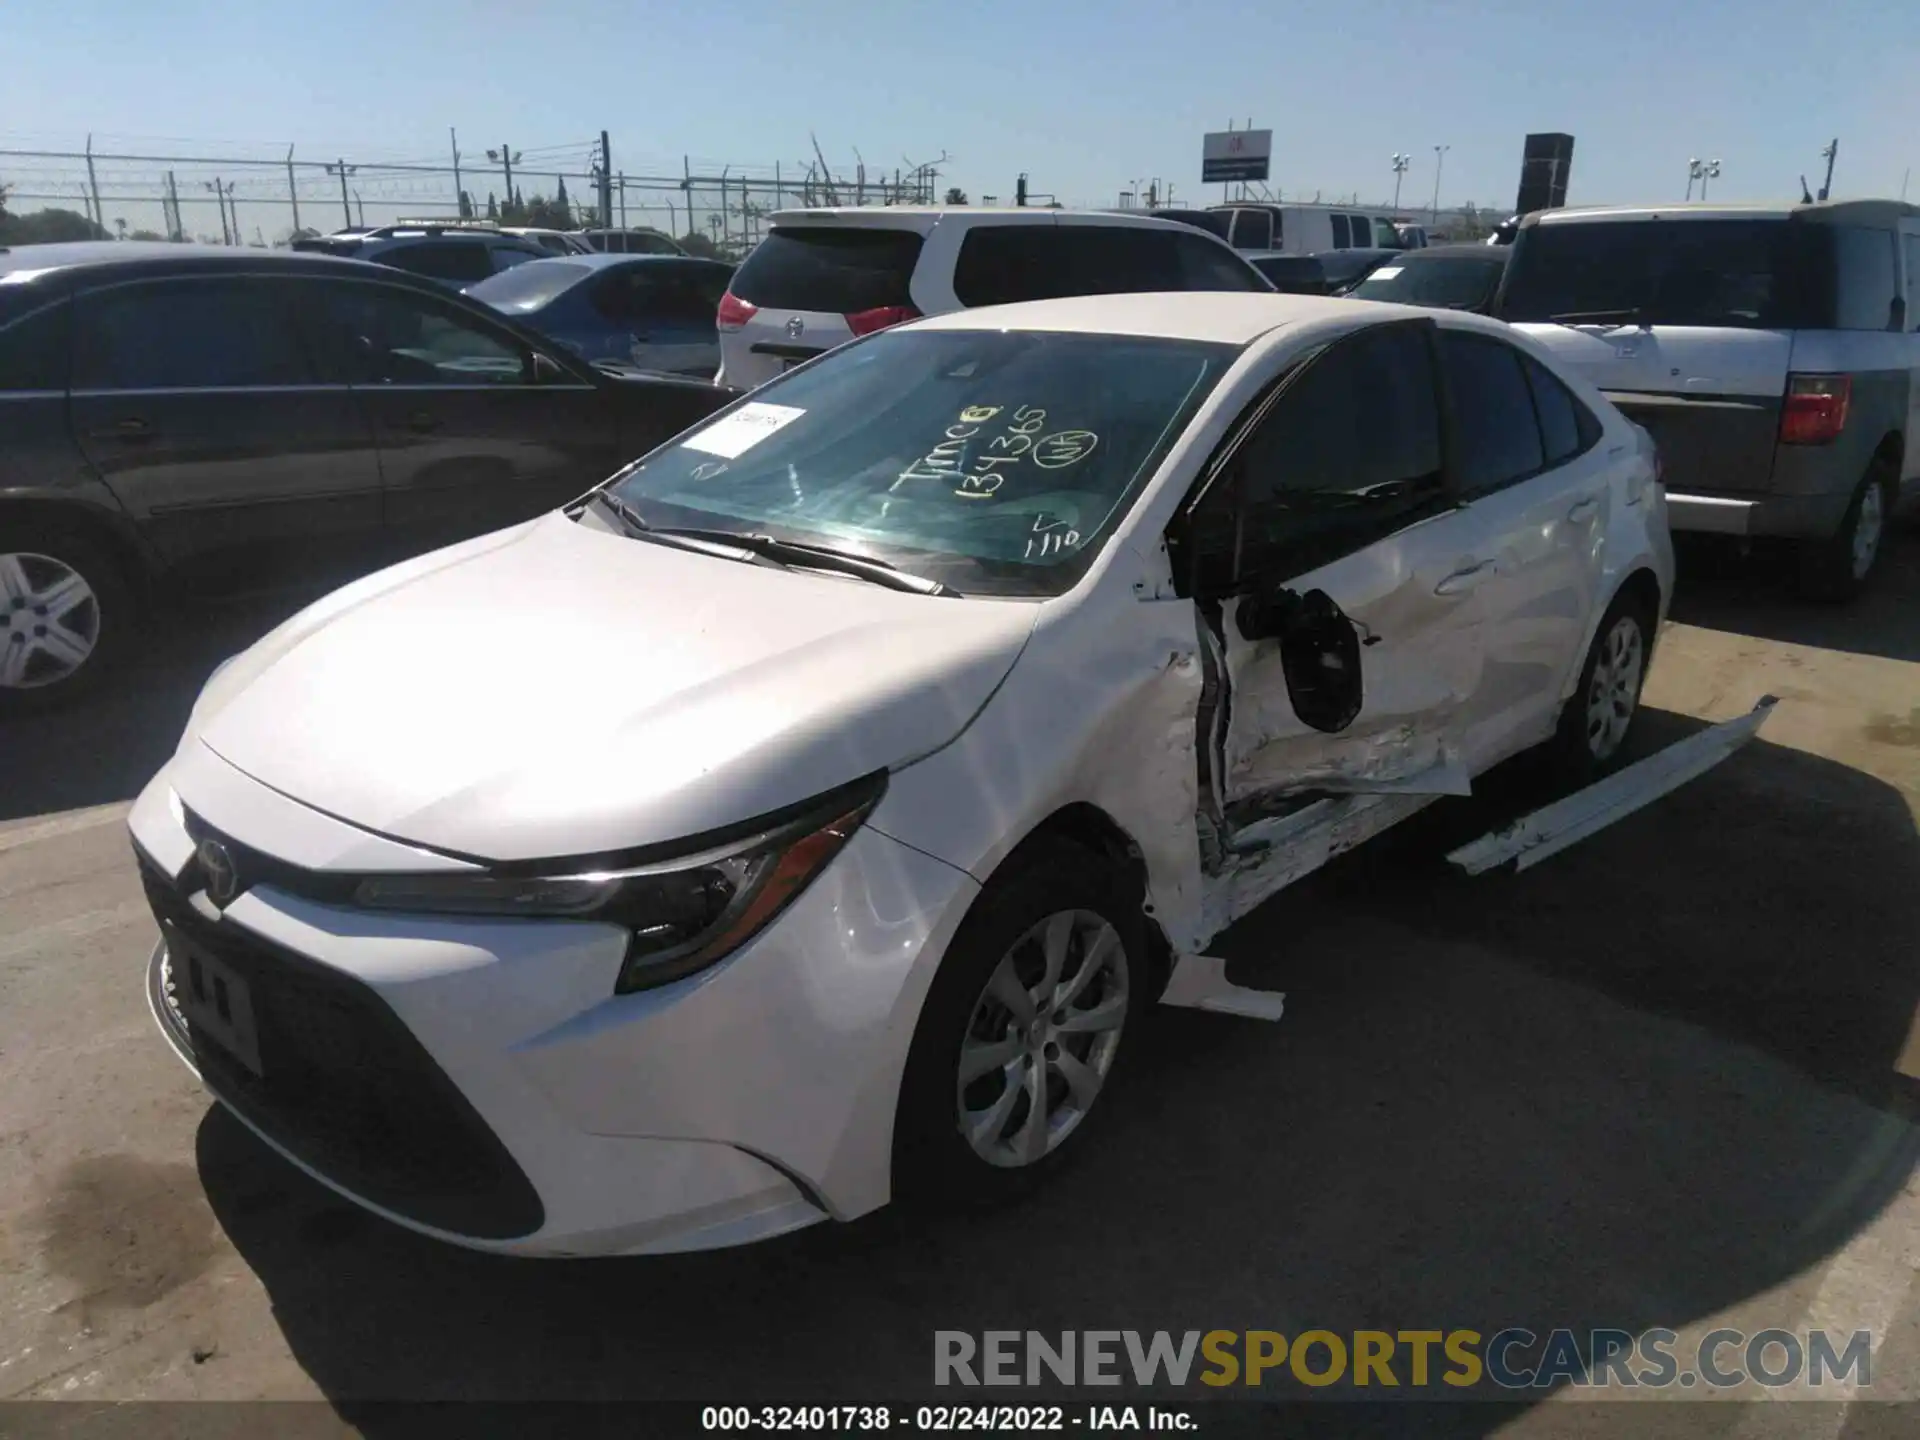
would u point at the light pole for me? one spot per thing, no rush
(1703, 171)
(1439, 159)
(505, 156)
(1400, 165)
(342, 169)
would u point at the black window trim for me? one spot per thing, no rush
(1262, 405)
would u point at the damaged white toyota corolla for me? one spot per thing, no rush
(808, 816)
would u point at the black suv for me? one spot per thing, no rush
(174, 416)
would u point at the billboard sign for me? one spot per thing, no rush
(1235, 155)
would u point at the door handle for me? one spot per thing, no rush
(1583, 510)
(131, 428)
(424, 420)
(1461, 581)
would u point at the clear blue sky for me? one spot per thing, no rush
(1085, 96)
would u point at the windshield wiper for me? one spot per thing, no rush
(1598, 317)
(622, 511)
(817, 557)
(723, 543)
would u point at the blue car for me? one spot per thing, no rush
(655, 312)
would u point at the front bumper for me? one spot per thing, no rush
(480, 1081)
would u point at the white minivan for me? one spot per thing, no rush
(811, 814)
(1772, 350)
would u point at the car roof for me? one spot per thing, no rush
(1231, 317)
(92, 254)
(1829, 211)
(608, 259)
(923, 217)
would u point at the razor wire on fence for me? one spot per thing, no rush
(252, 199)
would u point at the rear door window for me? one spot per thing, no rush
(1742, 274)
(1866, 264)
(187, 335)
(1497, 438)
(836, 269)
(1566, 426)
(1342, 237)
(33, 350)
(1254, 230)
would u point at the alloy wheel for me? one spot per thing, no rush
(1615, 689)
(1868, 525)
(1041, 1039)
(49, 621)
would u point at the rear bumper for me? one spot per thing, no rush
(1798, 517)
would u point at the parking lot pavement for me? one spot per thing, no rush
(1666, 1079)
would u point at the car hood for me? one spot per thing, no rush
(557, 690)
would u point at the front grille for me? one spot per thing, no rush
(347, 1088)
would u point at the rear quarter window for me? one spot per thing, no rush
(836, 269)
(1866, 262)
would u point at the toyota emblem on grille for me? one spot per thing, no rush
(794, 327)
(222, 875)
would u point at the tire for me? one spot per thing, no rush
(1053, 891)
(1840, 567)
(67, 617)
(1596, 721)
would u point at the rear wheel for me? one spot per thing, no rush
(1597, 719)
(66, 617)
(1840, 567)
(1019, 1037)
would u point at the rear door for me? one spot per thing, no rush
(1334, 503)
(1688, 325)
(473, 435)
(200, 405)
(809, 287)
(1527, 460)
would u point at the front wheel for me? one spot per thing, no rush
(65, 617)
(1022, 1029)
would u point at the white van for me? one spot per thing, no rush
(1770, 350)
(1306, 229)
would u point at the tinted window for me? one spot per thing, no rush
(439, 260)
(658, 293)
(1342, 237)
(1497, 439)
(1000, 264)
(1295, 274)
(1214, 222)
(838, 270)
(506, 257)
(1913, 281)
(528, 287)
(1450, 282)
(996, 461)
(1561, 415)
(33, 351)
(391, 336)
(1866, 263)
(186, 334)
(632, 242)
(1253, 230)
(1347, 455)
(1738, 273)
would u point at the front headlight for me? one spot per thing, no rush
(682, 914)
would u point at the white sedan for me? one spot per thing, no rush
(808, 816)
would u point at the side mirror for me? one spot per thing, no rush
(1319, 653)
(547, 370)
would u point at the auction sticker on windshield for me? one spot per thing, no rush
(733, 435)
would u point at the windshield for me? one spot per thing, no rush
(529, 286)
(996, 462)
(1744, 274)
(1457, 282)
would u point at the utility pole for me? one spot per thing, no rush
(293, 191)
(1833, 149)
(1439, 159)
(226, 235)
(175, 231)
(606, 180)
(623, 201)
(93, 184)
(1400, 164)
(459, 191)
(505, 156)
(342, 169)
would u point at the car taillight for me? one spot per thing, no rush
(1815, 411)
(865, 322)
(734, 312)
